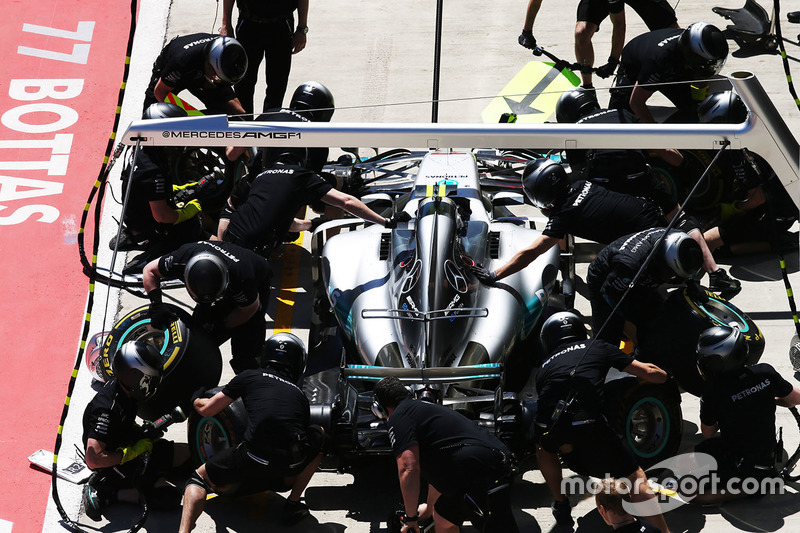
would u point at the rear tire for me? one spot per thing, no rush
(650, 422)
(210, 435)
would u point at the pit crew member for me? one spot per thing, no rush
(206, 65)
(266, 30)
(677, 260)
(574, 374)
(115, 445)
(657, 14)
(654, 61)
(762, 211)
(737, 410)
(458, 459)
(280, 450)
(231, 287)
(609, 504)
(261, 216)
(152, 222)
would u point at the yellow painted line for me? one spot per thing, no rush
(287, 290)
(532, 94)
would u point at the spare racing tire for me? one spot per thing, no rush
(669, 339)
(191, 358)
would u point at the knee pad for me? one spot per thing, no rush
(687, 223)
(197, 479)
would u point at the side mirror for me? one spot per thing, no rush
(507, 198)
(378, 201)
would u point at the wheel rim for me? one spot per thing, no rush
(142, 331)
(647, 427)
(210, 438)
(724, 315)
(666, 179)
(195, 163)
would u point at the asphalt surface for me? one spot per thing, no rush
(377, 58)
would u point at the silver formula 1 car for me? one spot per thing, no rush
(404, 301)
(406, 298)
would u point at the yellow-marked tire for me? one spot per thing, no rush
(191, 359)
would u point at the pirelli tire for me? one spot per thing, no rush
(719, 311)
(680, 180)
(191, 359)
(650, 422)
(669, 339)
(209, 435)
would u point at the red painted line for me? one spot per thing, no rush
(59, 79)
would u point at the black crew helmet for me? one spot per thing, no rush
(704, 49)
(559, 328)
(724, 107)
(287, 351)
(138, 368)
(164, 110)
(721, 349)
(313, 101)
(227, 59)
(575, 104)
(545, 182)
(206, 277)
(681, 255)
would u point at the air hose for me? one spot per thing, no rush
(91, 272)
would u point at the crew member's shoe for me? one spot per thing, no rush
(136, 264)
(127, 242)
(719, 281)
(293, 512)
(562, 512)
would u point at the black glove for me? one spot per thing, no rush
(608, 69)
(160, 315)
(695, 291)
(149, 431)
(401, 216)
(527, 40)
(198, 394)
(483, 274)
(317, 222)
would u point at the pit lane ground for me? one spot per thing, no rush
(370, 54)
